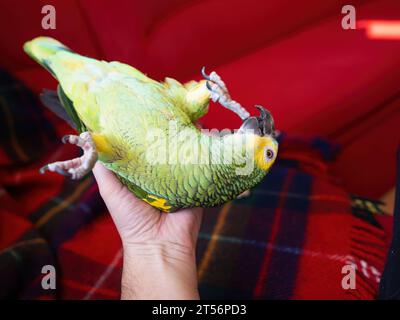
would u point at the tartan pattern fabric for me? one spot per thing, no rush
(288, 240)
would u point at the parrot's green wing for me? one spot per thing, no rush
(69, 108)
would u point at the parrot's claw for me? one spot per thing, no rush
(216, 79)
(204, 74)
(78, 167)
(65, 138)
(208, 85)
(220, 94)
(54, 167)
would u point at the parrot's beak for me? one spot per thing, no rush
(262, 125)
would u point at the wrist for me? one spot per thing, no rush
(155, 270)
(156, 249)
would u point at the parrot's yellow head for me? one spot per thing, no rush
(262, 138)
(265, 152)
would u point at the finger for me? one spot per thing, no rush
(106, 180)
(116, 196)
(197, 213)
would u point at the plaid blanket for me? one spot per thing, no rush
(289, 240)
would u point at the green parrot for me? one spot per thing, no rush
(145, 131)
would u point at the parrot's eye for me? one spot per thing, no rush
(269, 153)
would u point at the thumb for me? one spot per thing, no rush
(106, 180)
(113, 192)
(125, 208)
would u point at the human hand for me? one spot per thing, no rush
(159, 248)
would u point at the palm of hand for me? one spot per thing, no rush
(138, 222)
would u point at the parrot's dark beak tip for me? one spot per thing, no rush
(262, 125)
(266, 122)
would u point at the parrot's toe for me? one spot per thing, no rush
(54, 167)
(65, 138)
(78, 167)
(219, 93)
(215, 79)
(43, 169)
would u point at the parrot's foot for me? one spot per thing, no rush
(220, 94)
(78, 167)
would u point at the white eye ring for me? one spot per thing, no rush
(269, 154)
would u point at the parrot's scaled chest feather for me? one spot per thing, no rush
(132, 118)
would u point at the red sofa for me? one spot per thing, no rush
(290, 56)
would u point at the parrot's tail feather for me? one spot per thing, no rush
(50, 100)
(41, 48)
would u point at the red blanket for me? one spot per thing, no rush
(289, 240)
